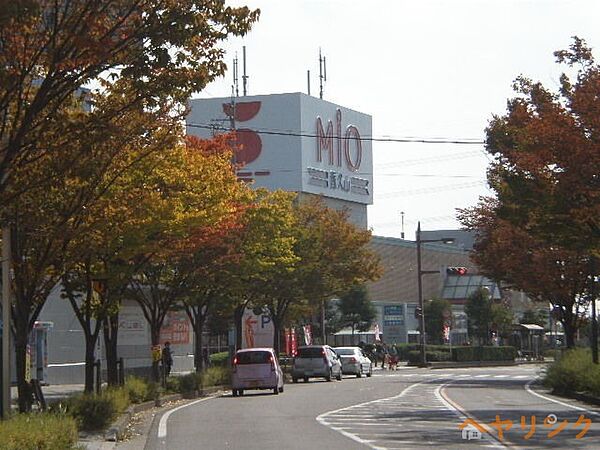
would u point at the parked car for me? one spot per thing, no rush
(354, 361)
(256, 368)
(316, 361)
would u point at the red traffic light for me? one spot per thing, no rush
(456, 270)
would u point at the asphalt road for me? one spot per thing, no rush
(405, 409)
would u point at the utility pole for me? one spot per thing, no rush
(420, 273)
(594, 314)
(420, 293)
(6, 306)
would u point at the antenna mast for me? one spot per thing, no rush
(402, 232)
(308, 80)
(322, 73)
(244, 76)
(235, 87)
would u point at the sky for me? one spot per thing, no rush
(423, 69)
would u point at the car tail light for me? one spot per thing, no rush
(234, 364)
(272, 361)
(324, 355)
(353, 360)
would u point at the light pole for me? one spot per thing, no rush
(420, 272)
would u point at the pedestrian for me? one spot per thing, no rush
(167, 358)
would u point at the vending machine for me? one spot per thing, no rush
(38, 351)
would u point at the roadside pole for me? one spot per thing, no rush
(6, 305)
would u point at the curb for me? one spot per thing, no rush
(581, 396)
(117, 429)
(441, 365)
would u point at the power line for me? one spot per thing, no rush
(365, 138)
(431, 190)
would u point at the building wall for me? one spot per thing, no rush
(395, 294)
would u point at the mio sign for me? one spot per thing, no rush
(339, 161)
(295, 142)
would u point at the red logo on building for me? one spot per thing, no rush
(248, 142)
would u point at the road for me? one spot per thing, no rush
(405, 409)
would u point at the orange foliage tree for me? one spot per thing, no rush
(541, 231)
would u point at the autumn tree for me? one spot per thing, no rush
(540, 234)
(332, 256)
(51, 49)
(200, 194)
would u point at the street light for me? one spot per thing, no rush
(420, 286)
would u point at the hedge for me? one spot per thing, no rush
(414, 356)
(39, 431)
(220, 359)
(574, 372)
(488, 353)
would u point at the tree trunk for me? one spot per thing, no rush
(90, 359)
(155, 339)
(199, 344)
(237, 318)
(110, 329)
(276, 335)
(23, 387)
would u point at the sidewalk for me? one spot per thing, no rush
(53, 392)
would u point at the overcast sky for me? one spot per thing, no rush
(422, 69)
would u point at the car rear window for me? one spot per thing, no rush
(253, 357)
(344, 351)
(310, 352)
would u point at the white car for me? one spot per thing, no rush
(354, 361)
(256, 368)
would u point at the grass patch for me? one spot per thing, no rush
(38, 431)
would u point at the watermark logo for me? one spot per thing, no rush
(552, 426)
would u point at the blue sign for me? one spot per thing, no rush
(396, 310)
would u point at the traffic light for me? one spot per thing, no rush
(456, 270)
(418, 312)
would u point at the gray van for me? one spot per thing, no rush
(316, 361)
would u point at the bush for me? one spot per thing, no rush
(405, 349)
(188, 383)
(39, 431)
(95, 412)
(138, 389)
(92, 412)
(574, 372)
(216, 376)
(219, 359)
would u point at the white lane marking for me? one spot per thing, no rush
(321, 418)
(520, 377)
(162, 425)
(455, 408)
(579, 408)
(500, 376)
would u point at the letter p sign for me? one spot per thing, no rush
(264, 320)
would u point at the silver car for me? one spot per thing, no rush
(316, 361)
(354, 361)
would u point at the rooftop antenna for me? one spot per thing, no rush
(235, 87)
(308, 80)
(322, 73)
(402, 229)
(244, 76)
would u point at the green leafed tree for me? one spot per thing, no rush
(438, 312)
(356, 309)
